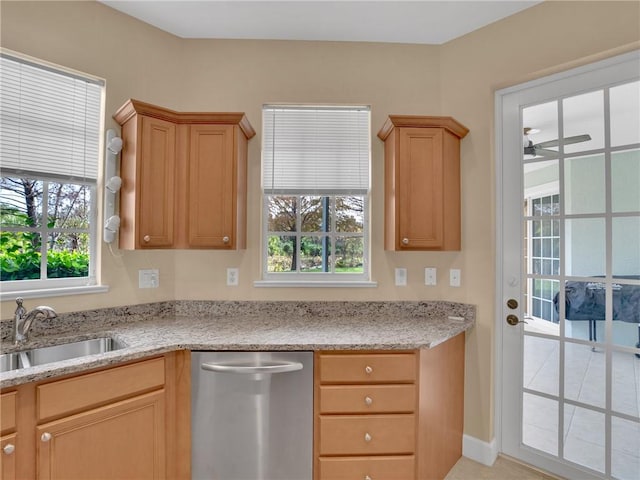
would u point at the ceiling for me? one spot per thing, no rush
(417, 21)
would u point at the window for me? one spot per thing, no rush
(315, 166)
(544, 246)
(51, 121)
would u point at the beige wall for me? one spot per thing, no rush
(456, 79)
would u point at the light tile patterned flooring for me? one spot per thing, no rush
(584, 429)
(502, 469)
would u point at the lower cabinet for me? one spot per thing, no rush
(8, 435)
(389, 415)
(125, 422)
(118, 441)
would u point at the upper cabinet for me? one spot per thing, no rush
(184, 178)
(422, 182)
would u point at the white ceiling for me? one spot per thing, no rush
(423, 22)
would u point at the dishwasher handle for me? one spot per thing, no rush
(250, 368)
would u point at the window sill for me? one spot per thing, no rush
(53, 292)
(314, 284)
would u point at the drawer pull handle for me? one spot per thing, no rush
(9, 448)
(368, 400)
(367, 437)
(368, 370)
(367, 477)
(46, 436)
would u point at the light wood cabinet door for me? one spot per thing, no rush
(184, 178)
(8, 441)
(156, 184)
(124, 440)
(420, 188)
(8, 446)
(422, 182)
(212, 190)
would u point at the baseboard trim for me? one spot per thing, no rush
(480, 451)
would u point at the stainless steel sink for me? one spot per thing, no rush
(57, 353)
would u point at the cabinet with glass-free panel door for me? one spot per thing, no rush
(422, 182)
(184, 177)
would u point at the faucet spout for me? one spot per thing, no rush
(24, 320)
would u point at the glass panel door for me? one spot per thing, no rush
(582, 281)
(570, 256)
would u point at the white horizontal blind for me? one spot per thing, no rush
(315, 150)
(49, 121)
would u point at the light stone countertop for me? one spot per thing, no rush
(152, 329)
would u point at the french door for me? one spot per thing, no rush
(568, 283)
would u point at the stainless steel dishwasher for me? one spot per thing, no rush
(252, 415)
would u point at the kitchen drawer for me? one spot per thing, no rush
(94, 389)
(368, 368)
(367, 399)
(373, 468)
(367, 434)
(8, 412)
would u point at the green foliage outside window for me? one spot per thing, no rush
(21, 243)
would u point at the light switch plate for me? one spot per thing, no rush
(401, 277)
(454, 277)
(148, 278)
(430, 276)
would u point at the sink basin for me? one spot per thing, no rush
(57, 353)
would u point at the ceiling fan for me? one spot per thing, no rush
(542, 149)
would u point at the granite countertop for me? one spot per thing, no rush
(157, 328)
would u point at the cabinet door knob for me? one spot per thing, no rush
(367, 477)
(45, 437)
(367, 437)
(225, 239)
(146, 238)
(9, 448)
(405, 241)
(368, 400)
(368, 370)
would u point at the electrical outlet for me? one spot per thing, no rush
(454, 277)
(401, 277)
(232, 277)
(148, 278)
(430, 276)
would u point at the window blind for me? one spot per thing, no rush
(315, 150)
(49, 121)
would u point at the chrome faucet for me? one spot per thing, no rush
(24, 320)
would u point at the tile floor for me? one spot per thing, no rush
(584, 429)
(503, 469)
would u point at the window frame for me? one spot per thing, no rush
(316, 279)
(48, 287)
(332, 276)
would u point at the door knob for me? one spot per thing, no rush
(512, 303)
(46, 436)
(9, 448)
(514, 320)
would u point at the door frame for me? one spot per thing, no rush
(504, 143)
